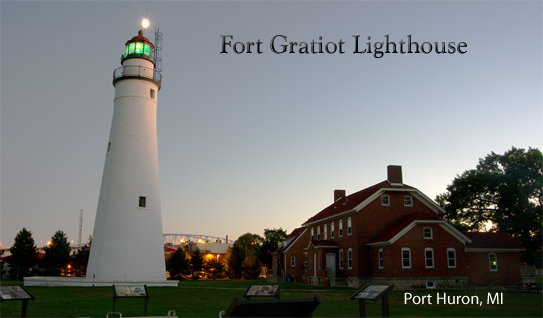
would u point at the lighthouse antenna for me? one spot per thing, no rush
(80, 229)
(157, 51)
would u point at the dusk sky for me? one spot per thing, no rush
(254, 141)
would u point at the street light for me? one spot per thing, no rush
(205, 246)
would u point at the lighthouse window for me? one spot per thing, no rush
(131, 48)
(147, 49)
(152, 93)
(139, 48)
(142, 203)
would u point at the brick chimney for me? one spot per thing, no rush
(338, 194)
(394, 174)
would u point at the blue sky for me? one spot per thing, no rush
(255, 141)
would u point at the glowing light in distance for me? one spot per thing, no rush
(145, 23)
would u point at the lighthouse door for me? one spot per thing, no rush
(331, 262)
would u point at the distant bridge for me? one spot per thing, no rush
(176, 239)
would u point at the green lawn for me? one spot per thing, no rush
(208, 298)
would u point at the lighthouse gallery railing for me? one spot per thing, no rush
(137, 71)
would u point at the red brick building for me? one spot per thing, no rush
(391, 233)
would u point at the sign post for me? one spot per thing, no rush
(16, 293)
(373, 292)
(137, 291)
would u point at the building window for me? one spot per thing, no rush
(332, 231)
(143, 202)
(340, 259)
(430, 285)
(408, 201)
(312, 233)
(340, 228)
(429, 256)
(292, 261)
(349, 227)
(318, 233)
(325, 228)
(385, 200)
(152, 93)
(493, 260)
(427, 233)
(451, 257)
(406, 258)
(381, 259)
(350, 258)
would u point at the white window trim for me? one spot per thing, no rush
(340, 259)
(350, 258)
(433, 265)
(490, 262)
(381, 258)
(325, 230)
(292, 261)
(340, 228)
(318, 233)
(332, 231)
(431, 237)
(451, 249)
(406, 249)
(312, 233)
(383, 198)
(410, 203)
(349, 226)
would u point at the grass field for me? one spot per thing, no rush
(208, 298)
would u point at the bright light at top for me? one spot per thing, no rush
(145, 23)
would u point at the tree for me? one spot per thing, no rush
(57, 254)
(80, 260)
(250, 243)
(178, 264)
(213, 268)
(234, 259)
(196, 263)
(504, 191)
(24, 255)
(272, 238)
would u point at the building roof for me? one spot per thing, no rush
(487, 241)
(405, 223)
(321, 244)
(289, 240)
(350, 202)
(396, 227)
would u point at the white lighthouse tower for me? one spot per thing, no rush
(127, 243)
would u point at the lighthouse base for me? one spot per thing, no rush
(50, 281)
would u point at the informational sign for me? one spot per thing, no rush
(372, 292)
(14, 293)
(136, 291)
(131, 291)
(262, 291)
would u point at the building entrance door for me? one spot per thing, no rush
(331, 262)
